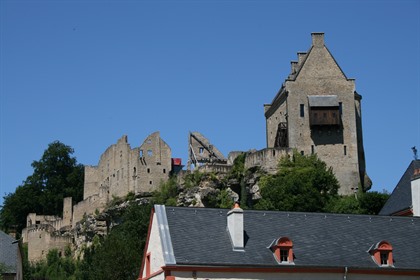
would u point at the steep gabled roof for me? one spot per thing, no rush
(8, 252)
(199, 237)
(400, 199)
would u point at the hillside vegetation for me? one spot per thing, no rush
(302, 183)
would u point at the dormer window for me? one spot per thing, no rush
(381, 253)
(282, 249)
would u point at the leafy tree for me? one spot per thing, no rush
(55, 267)
(119, 255)
(167, 193)
(56, 175)
(302, 183)
(364, 203)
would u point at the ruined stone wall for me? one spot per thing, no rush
(91, 181)
(87, 207)
(154, 163)
(67, 212)
(219, 168)
(122, 170)
(41, 239)
(267, 159)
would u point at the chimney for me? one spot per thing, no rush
(294, 65)
(415, 192)
(318, 39)
(235, 224)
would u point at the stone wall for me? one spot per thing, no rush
(267, 159)
(122, 170)
(87, 207)
(41, 239)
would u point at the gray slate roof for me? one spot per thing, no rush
(199, 237)
(8, 252)
(400, 198)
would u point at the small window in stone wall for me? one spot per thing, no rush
(148, 170)
(149, 153)
(345, 150)
(150, 182)
(164, 171)
(201, 150)
(302, 110)
(141, 153)
(312, 149)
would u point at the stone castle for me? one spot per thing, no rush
(316, 110)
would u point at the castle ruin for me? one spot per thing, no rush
(316, 111)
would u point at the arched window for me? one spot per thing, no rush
(282, 249)
(381, 253)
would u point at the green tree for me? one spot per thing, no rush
(167, 193)
(369, 203)
(56, 175)
(119, 255)
(302, 183)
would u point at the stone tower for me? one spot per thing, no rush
(317, 110)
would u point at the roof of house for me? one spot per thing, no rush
(199, 236)
(8, 252)
(400, 198)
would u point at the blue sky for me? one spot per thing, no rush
(87, 72)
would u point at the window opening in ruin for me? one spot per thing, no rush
(141, 153)
(312, 149)
(134, 171)
(37, 222)
(345, 150)
(149, 153)
(302, 153)
(201, 150)
(148, 170)
(118, 175)
(340, 108)
(149, 141)
(302, 110)
(164, 171)
(281, 136)
(150, 182)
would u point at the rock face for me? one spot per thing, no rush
(98, 225)
(207, 191)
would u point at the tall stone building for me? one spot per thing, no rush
(317, 110)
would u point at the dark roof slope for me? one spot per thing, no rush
(199, 237)
(400, 198)
(8, 252)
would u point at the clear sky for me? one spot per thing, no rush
(87, 72)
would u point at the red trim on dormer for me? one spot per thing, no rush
(286, 245)
(383, 250)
